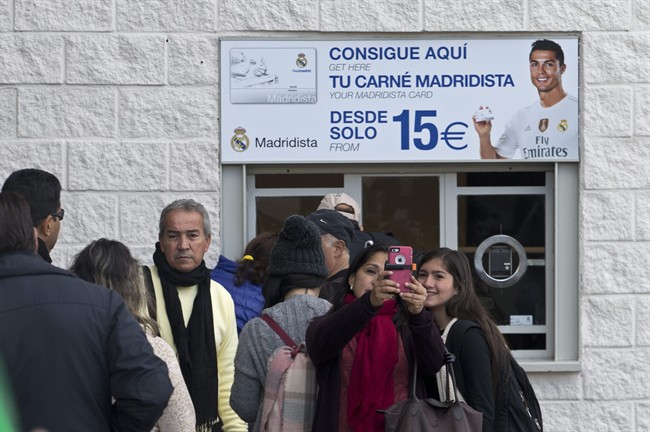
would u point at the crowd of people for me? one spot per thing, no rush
(111, 344)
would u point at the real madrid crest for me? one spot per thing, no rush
(301, 61)
(240, 142)
(563, 126)
(543, 124)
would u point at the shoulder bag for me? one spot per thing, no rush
(415, 414)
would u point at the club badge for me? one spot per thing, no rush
(240, 142)
(563, 126)
(543, 124)
(301, 61)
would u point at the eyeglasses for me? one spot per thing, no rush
(59, 214)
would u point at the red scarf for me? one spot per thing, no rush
(371, 384)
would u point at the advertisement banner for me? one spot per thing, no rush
(398, 100)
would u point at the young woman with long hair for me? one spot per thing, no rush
(110, 264)
(468, 330)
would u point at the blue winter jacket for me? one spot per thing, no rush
(248, 298)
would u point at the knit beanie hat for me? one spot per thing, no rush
(298, 250)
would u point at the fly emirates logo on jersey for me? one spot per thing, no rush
(549, 133)
(548, 143)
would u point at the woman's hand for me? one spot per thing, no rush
(414, 300)
(383, 289)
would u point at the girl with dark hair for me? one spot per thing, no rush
(297, 272)
(469, 332)
(109, 263)
(361, 349)
(244, 279)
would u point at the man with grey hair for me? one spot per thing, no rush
(336, 233)
(195, 314)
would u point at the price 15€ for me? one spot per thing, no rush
(426, 134)
(417, 128)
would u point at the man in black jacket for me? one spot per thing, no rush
(68, 346)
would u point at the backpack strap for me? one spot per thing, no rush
(148, 283)
(283, 335)
(455, 336)
(453, 343)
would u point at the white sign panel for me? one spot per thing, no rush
(382, 101)
(272, 76)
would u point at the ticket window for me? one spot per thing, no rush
(517, 206)
(459, 210)
(410, 208)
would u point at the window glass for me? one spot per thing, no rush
(272, 181)
(533, 341)
(272, 211)
(528, 178)
(408, 207)
(521, 217)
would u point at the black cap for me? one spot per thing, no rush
(334, 223)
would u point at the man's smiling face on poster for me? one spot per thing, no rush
(545, 70)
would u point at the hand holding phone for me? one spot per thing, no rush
(400, 262)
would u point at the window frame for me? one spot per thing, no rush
(239, 223)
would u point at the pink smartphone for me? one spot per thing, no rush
(400, 262)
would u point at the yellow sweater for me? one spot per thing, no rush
(225, 338)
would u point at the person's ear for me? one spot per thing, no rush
(563, 68)
(339, 246)
(44, 228)
(351, 280)
(207, 244)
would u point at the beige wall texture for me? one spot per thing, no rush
(119, 99)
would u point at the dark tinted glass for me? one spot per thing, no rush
(502, 179)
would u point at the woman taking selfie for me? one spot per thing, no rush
(362, 346)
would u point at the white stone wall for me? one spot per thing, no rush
(119, 99)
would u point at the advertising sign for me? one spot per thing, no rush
(397, 100)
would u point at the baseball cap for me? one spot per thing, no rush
(334, 223)
(331, 200)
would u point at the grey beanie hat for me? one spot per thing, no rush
(298, 250)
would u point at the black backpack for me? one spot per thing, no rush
(516, 408)
(516, 405)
